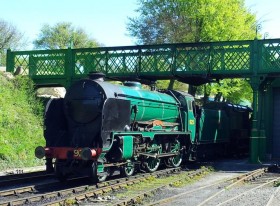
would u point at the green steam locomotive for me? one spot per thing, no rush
(99, 128)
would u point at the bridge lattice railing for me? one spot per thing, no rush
(214, 60)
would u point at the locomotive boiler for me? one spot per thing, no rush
(100, 127)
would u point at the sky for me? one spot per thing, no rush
(105, 20)
(268, 16)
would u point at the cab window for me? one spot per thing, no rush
(189, 105)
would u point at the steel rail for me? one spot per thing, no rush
(146, 193)
(237, 196)
(22, 178)
(82, 192)
(136, 179)
(238, 179)
(250, 175)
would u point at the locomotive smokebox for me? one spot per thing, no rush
(99, 76)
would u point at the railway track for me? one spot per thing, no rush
(266, 180)
(134, 199)
(226, 192)
(31, 195)
(15, 179)
(75, 193)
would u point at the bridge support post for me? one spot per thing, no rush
(69, 68)
(262, 135)
(10, 61)
(254, 138)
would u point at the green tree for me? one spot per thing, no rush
(175, 21)
(164, 84)
(231, 90)
(61, 36)
(10, 38)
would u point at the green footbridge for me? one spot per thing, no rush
(193, 63)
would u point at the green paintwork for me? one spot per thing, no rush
(100, 167)
(152, 105)
(127, 146)
(254, 146)
(191, 121)
(262, 145)
(228, 59)
(254, 138)
(267, 120)
(214, 126)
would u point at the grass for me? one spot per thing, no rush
(276, 184)
(21, 128)
(178, 180)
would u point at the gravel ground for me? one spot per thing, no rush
(224, 170)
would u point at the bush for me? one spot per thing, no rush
(21, 123)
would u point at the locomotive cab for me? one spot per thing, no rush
(188, 112)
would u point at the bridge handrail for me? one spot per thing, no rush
(151, 62)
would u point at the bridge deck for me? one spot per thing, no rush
(194, 63)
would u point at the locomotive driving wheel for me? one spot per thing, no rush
(175, 161)
(103, 176)
(152, 164)
(128, 169)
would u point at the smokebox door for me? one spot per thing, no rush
(116, 115)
